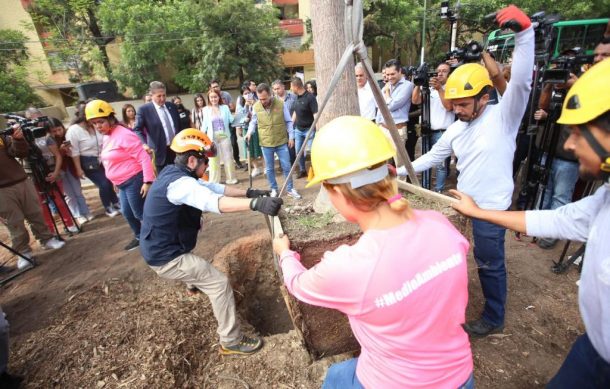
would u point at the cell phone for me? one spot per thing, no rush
(66, 143)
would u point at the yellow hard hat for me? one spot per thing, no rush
(346, 145)
(191, 139)
(586, 99)
(467, 81)
(98, 109)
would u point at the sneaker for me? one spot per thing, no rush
(294, 194)
(132, 245)
(246, 346)
(547, 244)
(81, 220)
(22, 263)
(117, 206)
(301, 174)
(111, 212)
(239, 165)
(273, 193)
(232, 182)
(255, 172)
(480, 328)
(73, 229)
(53, 244)
(90, 217)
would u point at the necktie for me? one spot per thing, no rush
(167, 124)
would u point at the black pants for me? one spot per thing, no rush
(411, 141)
(235, 145)
(169, 160)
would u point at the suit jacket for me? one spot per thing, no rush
(150, 129)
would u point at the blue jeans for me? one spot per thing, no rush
(106, 190)
(582, 368)
(560, 187)
(132, 202)
(299, 140)
(489, 255)
(284, 157)
(74, 195)
(343, 375)
(441, 168)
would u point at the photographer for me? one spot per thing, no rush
(483, 140)
(441, 116)
(18, 198)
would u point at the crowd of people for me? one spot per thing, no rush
(165, 163)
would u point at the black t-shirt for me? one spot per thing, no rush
(305, 106)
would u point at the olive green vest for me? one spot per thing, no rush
(272, 131)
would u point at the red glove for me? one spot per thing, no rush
(513, 18)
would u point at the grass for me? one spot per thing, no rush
(315, 220)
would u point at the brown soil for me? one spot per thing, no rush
(92, 315)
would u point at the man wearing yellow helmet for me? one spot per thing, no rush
(172, 219)
(586, 110)
(483, 140)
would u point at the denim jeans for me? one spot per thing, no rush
(74, 195)
(560, 187)
(489, 255)
(299, 140)
(284, 157)
(343, 375)
(106, 190)
(441, 168)
(132, 202)
(582, 368)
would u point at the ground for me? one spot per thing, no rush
(93, 315)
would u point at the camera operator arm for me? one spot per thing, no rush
(416, 96)
(16, 145)
(52, 177)
(497, 78)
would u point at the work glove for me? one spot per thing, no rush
(513, 18)
(401, 171)
(254, 193)
(267, 205)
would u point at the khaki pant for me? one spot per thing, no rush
(19, 202)
(199, 273)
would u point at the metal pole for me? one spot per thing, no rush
(423, 34)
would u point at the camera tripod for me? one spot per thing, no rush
(32, 262)
(426, 134)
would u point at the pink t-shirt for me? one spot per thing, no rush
(405, 291)
(123, 156)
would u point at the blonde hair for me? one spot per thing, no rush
(368, 197)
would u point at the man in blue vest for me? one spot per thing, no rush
(172, 219)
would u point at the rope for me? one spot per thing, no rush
(353, 31)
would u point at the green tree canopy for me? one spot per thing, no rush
(15, 93)
(195, 41)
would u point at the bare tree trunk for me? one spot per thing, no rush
(327, 22)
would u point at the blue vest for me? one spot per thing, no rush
(168, 230)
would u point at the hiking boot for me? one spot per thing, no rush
(480, 328)
(53, 244)
(547, 244)
(134, 244)
(246, 346)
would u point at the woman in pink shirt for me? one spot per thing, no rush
(127, 164)
(403, 285)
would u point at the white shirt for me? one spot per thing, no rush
(83, 142)
(199, 194)
(485, 147)
(440, 118)
(586, 220)
(164, 116)
(366, 100)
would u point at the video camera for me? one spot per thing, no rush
(562, 66)
(32, 128)
(422, 75)
(471, 52)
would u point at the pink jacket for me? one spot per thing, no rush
(123, 156)
(405, 291)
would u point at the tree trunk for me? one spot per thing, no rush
(101, 42)
(327, 23)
